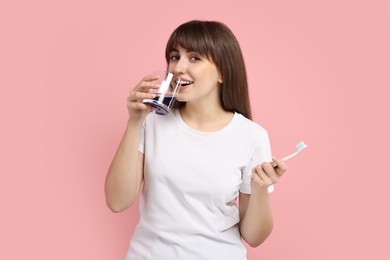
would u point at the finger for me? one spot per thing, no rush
(145, 86)
(151, 77)
(269, 170)
(147, 81)
(139, 96)
(280, 166)
(258, 172)
(138, 107)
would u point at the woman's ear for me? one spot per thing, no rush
(220, 79)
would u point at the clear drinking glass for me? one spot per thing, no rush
(165, 95)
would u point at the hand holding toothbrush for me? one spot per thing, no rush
(268, 174)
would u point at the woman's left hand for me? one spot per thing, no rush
(267, 174)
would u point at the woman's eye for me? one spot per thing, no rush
(174, 57)
(194, 58)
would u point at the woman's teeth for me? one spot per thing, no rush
(183, 82)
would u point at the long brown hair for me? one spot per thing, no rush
(215, 41)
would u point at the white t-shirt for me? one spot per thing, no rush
(192, 179)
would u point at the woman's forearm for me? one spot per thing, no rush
(125, 175)
(257, 223)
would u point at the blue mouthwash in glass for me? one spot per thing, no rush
(163, 102)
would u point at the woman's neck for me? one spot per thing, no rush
(205, 118)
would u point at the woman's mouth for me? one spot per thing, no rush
(183, 83)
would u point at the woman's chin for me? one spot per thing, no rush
(181, 98)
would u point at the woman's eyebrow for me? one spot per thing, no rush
(185, 49)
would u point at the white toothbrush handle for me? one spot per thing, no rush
(271, 188)
(289, 156)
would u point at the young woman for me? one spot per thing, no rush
(195, 163)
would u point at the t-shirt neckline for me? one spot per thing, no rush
(191, 130)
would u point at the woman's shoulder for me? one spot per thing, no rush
(249, 126)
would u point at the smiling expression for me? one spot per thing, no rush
(199, 76)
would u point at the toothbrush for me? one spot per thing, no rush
(178, 84)
(299, 147)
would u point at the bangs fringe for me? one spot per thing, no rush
(192, 37)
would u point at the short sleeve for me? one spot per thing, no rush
(260, 152)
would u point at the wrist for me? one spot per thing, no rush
(135, 122)
(259, 190)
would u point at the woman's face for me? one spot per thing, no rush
(200, 77)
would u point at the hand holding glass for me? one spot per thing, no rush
(165, 96)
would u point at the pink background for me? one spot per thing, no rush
(318, 72)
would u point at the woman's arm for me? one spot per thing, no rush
(256, 221)
(125, 175)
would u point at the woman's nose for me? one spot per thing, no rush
(180, 67)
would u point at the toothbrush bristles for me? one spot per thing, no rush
(301, 146)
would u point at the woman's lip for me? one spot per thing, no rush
(185, 86)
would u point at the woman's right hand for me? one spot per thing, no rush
(137, 110)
